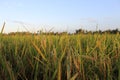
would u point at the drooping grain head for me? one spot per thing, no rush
(3, 27)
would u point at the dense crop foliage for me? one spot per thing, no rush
(60, 57)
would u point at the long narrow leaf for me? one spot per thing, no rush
(59, 71)
(3, 28)
(38, 50)
(74, 77)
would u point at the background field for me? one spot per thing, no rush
(61, 57)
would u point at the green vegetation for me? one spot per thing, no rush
(49, 56)
(60, 57)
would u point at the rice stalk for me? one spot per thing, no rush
(74, 77)
(59, 71)
(38, 50)
(3, 27)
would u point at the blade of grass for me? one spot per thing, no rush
(38, 60)
(38, 50)
(59, 70)
(74, 77)
(63, 54)
(36, 70)
(8, 68)
(3, 28)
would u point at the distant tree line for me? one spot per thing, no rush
(20, 33)
(79, 31)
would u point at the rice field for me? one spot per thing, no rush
(60, 57)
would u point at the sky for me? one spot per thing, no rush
(59, 15)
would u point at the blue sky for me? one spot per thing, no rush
(61, 15)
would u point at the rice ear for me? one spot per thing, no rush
(3, 27)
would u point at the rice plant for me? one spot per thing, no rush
(60, 57)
